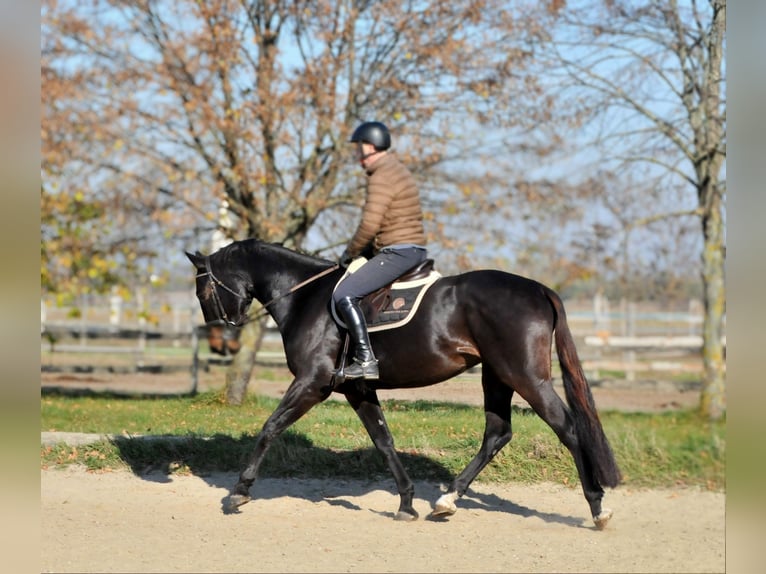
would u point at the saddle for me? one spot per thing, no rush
(395, 304)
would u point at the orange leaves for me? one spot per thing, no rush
(194, 98)
(95, 454)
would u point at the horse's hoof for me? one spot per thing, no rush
(439, 512)
(233, 502)
(445, 506)
(602, 519)
(406, 516)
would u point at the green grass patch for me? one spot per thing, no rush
(435, 440)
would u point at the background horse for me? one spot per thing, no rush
(503, 321)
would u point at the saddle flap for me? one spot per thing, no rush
(394, 304)
(377, 301)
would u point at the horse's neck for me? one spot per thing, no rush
(278, 272)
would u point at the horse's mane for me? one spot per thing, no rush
(237, 250)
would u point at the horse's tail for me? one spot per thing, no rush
(589, 430)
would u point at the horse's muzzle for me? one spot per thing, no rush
(223, 339)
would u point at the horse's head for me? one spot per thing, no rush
(224, 301)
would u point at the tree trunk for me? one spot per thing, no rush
(239, 372)
(713, 399)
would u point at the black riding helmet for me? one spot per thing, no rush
(374, 133)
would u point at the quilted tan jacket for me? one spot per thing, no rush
(392, 213)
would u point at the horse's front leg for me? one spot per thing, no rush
(300, 396)
(367, 407)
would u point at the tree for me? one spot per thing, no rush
(174, 108)
(252, 102)
(647, 80)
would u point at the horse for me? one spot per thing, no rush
(506, 322)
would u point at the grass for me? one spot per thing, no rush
(435, 441)
(668, 376)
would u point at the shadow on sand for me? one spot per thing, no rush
(290, 469)
(293, 467)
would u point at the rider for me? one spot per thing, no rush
(391, 227)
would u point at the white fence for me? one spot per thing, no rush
(178, 312)
(154, 329)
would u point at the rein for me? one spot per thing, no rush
(294, 288)
(224, 317)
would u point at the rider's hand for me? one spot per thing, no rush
(345, 259)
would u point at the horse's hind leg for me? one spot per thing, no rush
(497, 433)
(367, 407)
(549, 406)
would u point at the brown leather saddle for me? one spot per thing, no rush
(392, 305)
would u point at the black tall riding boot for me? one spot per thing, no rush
(364, 364)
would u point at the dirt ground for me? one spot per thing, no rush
(121, 522)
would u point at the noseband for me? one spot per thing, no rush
(214, 284)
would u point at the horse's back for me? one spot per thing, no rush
(488, 286)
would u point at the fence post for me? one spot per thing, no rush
(696, 312)
(602, 324)
(83, 320)
(177, 324)
(195, 360)
(601, 319)
(115, 308)
(141, 311)
(630, 356)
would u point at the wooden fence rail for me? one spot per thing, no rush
(70, 348)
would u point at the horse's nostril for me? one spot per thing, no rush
(215, 342)
(233, 346)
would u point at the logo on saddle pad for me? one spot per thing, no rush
(393, 305)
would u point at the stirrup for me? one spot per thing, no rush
(362, 369)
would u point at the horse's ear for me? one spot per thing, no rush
(196, 258)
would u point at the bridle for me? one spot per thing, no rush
(224, 318)
(214, 283)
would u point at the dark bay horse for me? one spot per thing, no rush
(503, 321)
